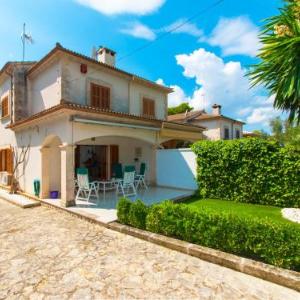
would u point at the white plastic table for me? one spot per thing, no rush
(106, 185)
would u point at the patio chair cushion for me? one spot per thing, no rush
(142, 169)
(117, 171)
(129, 169)
(82, 171)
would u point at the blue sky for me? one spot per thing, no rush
(204, 61)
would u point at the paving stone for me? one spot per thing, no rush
(47, 254)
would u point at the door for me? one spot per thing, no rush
(114, 156)
(101, 152)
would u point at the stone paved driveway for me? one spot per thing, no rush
(46, 254)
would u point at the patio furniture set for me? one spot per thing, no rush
(124, 182)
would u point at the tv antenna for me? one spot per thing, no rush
(25, 37)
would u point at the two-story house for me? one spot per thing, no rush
(218, 126)
(68, 107)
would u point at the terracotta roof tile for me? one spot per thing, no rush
(198, 115)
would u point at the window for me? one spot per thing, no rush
(4, 107)
(100, 96)
(148, 107)
(226, 133)
(237, 134)
(6, 160)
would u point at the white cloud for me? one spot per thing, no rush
(218, 82)
(235, 36)
(262, 115)
(187, 28)
(224, 83)
(139, 30)
(115, 7)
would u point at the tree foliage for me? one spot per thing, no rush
(286, 133)
(181, 108)
(279, 68)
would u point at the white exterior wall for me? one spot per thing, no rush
(138, 92)
(7, 136)
(126, 96)
(36, 136)
(176, 168)
(44, 90)
(76, 86)
(213, 131)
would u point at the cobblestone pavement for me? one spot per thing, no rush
(47, 254)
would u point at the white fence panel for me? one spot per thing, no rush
(176, 168)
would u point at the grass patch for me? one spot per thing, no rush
(240, 209)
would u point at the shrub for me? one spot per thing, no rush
(261, 239)
(137, 214)
(132, 213)
(249, 170)
(123, 209)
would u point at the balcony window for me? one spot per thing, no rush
(100, 96)
(148, 108)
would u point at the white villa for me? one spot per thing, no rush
(68, 106)
(216, 125)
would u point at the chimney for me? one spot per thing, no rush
(216, 109)
(106, 56)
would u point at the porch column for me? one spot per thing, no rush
(45, 179)
(67, 175)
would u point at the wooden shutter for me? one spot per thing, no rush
(148, 107)
(4, 107)
(100, 96)
(9, 160)
(1, 164)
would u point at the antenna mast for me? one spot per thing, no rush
(23, 41)
(25, 37)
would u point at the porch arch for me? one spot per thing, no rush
(51, 165)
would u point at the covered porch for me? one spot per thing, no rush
(97, 145)
(103, 207)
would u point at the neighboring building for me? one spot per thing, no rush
(67, 107)
(218, 126)
(250, 134)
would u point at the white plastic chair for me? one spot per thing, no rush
(140, 178)
(86, 189)
(124, 186)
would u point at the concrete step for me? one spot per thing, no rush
(18, 200)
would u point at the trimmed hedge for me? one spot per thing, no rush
(260, 239)
(132, 213)
(248, 170)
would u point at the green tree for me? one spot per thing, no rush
(261, 134)
(285, 132)
(181, 108)
(276, 125)
(279, 68)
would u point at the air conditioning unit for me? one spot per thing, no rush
(5, 178)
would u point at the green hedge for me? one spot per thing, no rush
(249, 170)
(277, 244)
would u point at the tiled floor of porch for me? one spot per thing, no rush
(104, 210)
